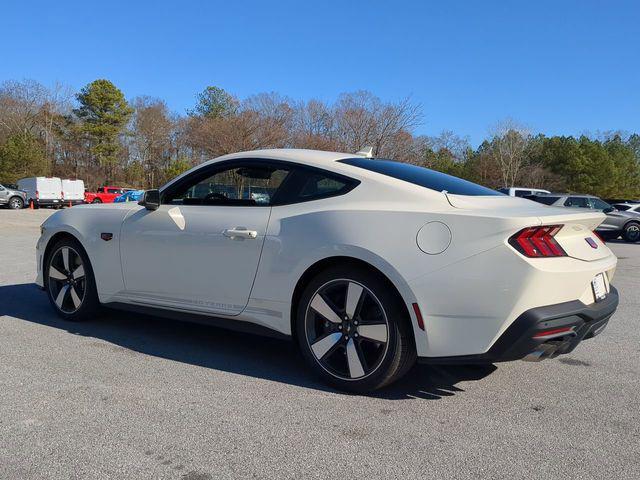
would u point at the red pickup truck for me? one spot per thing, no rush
(104, 194)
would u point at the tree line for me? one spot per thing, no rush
(98, 135)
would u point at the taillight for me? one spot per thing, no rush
(599, 236)
(536, 242)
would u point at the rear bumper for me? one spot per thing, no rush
(73, 202)
(47, 202)
(519, 341)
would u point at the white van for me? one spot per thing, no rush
(43, 191)
(522, 191)
(72, 192)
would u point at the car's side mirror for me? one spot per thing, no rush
(150, 199)
(608, 210)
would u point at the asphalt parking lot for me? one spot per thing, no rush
(126, 396)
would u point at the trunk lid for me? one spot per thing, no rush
(576, 236)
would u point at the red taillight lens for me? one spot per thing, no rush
(536, 242)
(599, 236)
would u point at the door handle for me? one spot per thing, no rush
(239, 232)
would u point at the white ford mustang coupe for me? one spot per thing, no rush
(367, 264)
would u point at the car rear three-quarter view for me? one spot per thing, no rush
(369, 265)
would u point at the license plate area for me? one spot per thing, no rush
(599, 287)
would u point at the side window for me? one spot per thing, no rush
(622, 208)
(577, 202)
(599, 204)
(100, 190)
(308, 184)
(319, 185)
(522, 193)
(237, 185)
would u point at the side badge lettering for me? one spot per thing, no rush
(106, 236)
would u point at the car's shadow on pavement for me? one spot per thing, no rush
(220, 349)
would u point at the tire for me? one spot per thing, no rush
(96, 200)
(362, 340)
(16, 203)
(631, 232)
(70, 283)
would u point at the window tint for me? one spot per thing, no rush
(577, 202)
(544, 199)
(504, 190)
(113, 190)
(622, 208)
(421, 176)
(238, 185)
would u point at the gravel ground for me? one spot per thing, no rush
(126, 396)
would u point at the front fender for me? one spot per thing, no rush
(86, 223)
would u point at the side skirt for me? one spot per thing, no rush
(203, 319)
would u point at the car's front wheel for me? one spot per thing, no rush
(354, 330)
(69, 281)
(16, 203)
(631, 232)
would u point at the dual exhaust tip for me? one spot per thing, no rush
(550, 349)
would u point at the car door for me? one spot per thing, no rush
(615, 220)
(4, 195)
(199, 251)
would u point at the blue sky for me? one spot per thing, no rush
(560, 67)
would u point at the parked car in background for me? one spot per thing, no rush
(72, 192)
(42, 191)
(617, 224)
(130, 196)
(521, 191)
(628, 207)
(104, 194)
(12, 197)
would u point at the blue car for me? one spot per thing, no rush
(130, 196)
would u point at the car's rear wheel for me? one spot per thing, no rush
(353, 329)
(96, 200)
(69, 281)
(631, 232)
(16, 203)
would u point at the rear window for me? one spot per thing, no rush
(542, 199)
(622, 208)
(421, 176)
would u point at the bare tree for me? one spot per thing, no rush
(151, 137)
(509, 144)
(362, 119)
